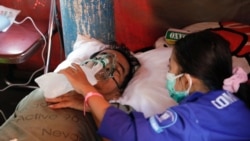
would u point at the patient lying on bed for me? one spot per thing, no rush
(146, 92)
(33, 120)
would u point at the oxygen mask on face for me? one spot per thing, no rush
(100, 67)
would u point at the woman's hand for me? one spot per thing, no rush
(68, 100)
(78, 79)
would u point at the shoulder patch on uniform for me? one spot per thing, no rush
(224, 100)
(164, 120)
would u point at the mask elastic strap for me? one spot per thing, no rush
(117, 85)
(190, 83)
(179, 75)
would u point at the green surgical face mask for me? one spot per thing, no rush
(170, 85)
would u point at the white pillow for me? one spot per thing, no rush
(146, 91)
(83, 48)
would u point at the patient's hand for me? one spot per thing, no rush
(69, 100)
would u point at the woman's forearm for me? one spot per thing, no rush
(98, 106)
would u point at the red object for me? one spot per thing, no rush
(19, 44)
(135, 24)
(238, 35)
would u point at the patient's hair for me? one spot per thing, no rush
(206, 56)
(134, 64)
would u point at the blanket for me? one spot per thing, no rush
(34, 121)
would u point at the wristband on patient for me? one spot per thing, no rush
(90, 94)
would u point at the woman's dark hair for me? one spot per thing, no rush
(132, 61)
(206, 55)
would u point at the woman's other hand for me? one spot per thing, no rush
(69, 100)
(78, 79)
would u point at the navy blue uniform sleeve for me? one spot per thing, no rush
(119, 126)
(190, 121)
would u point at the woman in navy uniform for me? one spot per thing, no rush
(214, 98)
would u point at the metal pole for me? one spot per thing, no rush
(50, 33)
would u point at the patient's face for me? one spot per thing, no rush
(108, 87)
